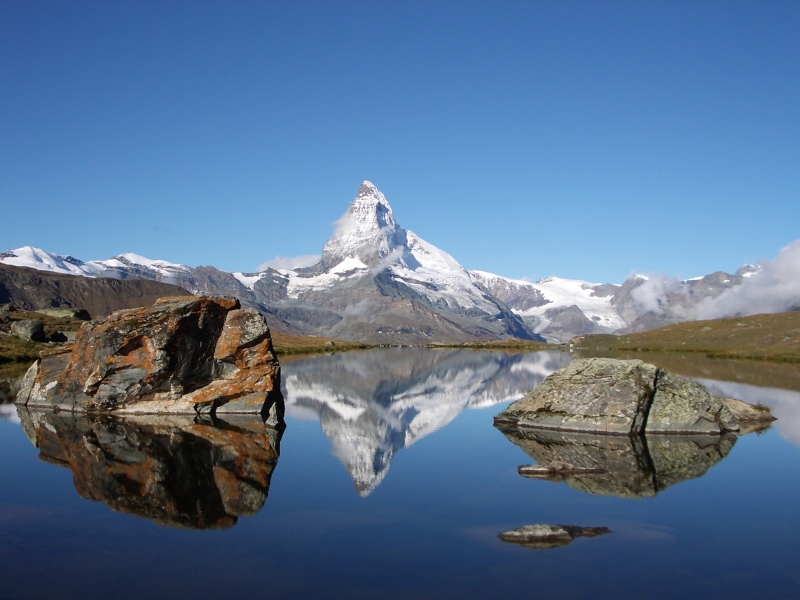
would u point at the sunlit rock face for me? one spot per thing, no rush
(372, 404)
(620, 397)
(183, 355)
(172, 470)
(628, 467)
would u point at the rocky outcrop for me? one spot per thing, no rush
(567, 322)
(30, 289)
(184, 354)
(620, 397)
(750, 417)
(543, 537)
(177, 471)
(614, 465)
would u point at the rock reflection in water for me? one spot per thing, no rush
(628, 467)
(373, 403)
(174, 470)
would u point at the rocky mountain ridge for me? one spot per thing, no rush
(379, 283)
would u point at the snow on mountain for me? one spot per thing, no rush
(379, 283)
(42, 260)
(539, 302)
(122, 266)
(369, 240)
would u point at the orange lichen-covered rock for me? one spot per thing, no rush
(185, 354)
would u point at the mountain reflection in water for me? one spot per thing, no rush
(174, 470)
(375, 402)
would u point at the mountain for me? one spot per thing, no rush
(375, 282)
(559, 309)
(379, 283)
(31, 289)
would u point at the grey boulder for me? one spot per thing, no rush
(620, 397)
(29, 329)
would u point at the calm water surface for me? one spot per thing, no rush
(390, 481)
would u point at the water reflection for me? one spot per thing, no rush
(784, 404)
(176, 471)
(373, 403)
(627, 467)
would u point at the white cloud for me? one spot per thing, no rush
(775, 288)
(289, 262)
(651, 295)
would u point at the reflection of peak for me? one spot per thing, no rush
(374, 403)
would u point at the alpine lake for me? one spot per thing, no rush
(390, 480)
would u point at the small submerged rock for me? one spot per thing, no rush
(557, 468)
(543, 537)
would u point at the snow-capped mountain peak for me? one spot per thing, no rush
(42, 260)
(367, 231)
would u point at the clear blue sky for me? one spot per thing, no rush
(579, 139)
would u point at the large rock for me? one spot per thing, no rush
(175, 470)
(29, 329)
(620, 397)
(185, 354)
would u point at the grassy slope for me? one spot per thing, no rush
(306, 344)
(509, 344)
(774, 338)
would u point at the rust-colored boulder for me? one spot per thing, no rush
(184, 354)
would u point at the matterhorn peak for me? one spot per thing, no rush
(367, 188)
(367, 231)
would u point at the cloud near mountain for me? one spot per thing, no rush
(289, 262)
(774, 288)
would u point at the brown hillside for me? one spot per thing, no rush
(774, 337)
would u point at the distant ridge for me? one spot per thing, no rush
(30, 289)
(381, 284)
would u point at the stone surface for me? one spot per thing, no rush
(66, 313)
(750, 418)
(683, 406)
(184, 354)
(597, 395)
(29, 329)
(176, 470)
(627, 467)
(543, 537)
(4, 314)
(620, 397)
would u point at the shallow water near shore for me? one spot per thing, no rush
(390, 481)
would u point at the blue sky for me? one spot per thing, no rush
(580, 139)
